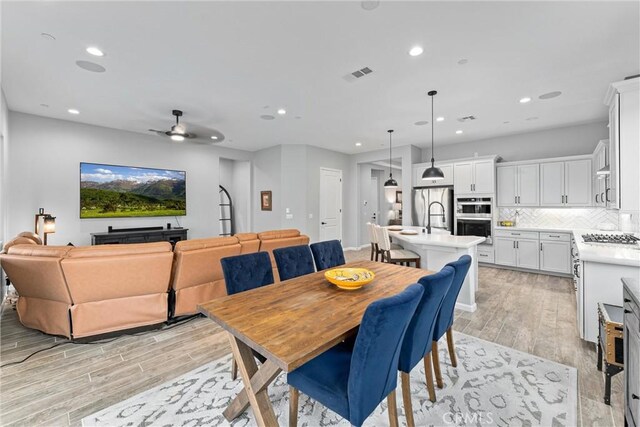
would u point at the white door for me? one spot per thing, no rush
(505, 251)
(555, 256)
(552, 184)
(483, 172)
(528, 254)
(330, 204)
(463, 178)
(577, 182)
(528, 185)
(375, 201)
(506, 181)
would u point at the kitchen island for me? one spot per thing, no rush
(439, 248)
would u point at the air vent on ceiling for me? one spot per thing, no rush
(466, 119)
(358, 73)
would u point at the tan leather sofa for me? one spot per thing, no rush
(270, 240)
(85, 291)
(197, 273)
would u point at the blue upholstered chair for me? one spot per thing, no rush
(328, 254)
(352, 380)
(445, 317)
(243, 273)
(417, 340)
(294, 261)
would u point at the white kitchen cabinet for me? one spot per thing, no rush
(555, 256)
(518, 185)
(527, 254)
(474, 177)
(565, 183)
(418, 169)
(600, 161)
(505, 251)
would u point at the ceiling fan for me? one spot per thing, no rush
(178, 132)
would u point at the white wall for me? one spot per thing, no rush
(267, 176)
(558, 142)
(43, 171)
(235, 177)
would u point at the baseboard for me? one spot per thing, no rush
(527, 270)
(467, 307)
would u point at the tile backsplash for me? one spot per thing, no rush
(562, 218)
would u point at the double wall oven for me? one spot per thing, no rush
(474, 217)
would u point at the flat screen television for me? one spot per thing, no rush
(110, 191)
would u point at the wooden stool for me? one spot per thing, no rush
(610, 344)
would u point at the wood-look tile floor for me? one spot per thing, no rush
(534, 313)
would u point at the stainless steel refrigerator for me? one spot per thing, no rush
(440, 218)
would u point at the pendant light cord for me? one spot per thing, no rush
(432, 126)
(390, 173)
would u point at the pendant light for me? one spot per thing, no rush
(390, 183)
(433, 173)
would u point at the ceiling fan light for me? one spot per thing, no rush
(391, 183)
(433, 174)
(177, 138)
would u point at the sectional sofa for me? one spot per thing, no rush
(78, 292)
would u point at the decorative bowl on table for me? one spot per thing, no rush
(409, 232)
(349, 279)
(394, 228)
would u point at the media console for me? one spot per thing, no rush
(139, 235)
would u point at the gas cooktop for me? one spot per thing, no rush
(616, 239)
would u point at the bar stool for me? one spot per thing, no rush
(373, 239)
(394, 256)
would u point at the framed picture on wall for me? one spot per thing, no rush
(398, 196)
(266, 202)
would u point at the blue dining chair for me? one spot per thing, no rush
(445, 317)
(352, 380)
(243, 273)
(294, 261)
(417, 341)
(328, 254)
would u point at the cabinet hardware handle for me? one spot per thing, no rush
(515, 199)
(514, 244)
(515, 234)
(607, 194)
(470, 187)
(541, 246)
(627, 300)
(627, 311)
(597, 198)
(551, 235)
(517, 245)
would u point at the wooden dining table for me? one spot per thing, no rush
(293, 321)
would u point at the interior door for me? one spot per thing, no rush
(483, 172)
(528, 185)
(375, 201)
(506, 181)
(577, 182)
(552, 184)
(330, 204)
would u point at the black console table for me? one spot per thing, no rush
(140, 235)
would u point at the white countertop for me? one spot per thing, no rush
(606, 254)
(541, 229)
(437, 238)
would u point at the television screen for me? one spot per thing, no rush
(108, 191)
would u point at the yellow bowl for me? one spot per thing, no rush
(349, 278)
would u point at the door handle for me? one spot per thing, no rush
(635, 396)
(323, 223)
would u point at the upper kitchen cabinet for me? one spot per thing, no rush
(518, 185)
(418, 169)
(566, 183)
(601, 171)
(623, 99)
(474, 177)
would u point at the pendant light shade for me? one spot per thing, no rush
(433, 173)
(390, 183)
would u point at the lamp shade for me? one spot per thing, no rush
(49, 224)
(433, 173)
(391, 183)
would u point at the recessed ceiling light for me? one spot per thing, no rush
(91, 66)
(214, 137)
(47, 36)
(421, 123)
(358, 144)
(177, 138)
(458, 132)
(282, 111)
(463, 61)
(92, 50)
(267, 117)
(416, 51)
(506, 123)
(440, 119)
(73, 111)
(550, 95)
(44, 105)
(532, 118)
(525, 100)
(369, 4)
(298, 117)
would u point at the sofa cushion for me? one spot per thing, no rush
(17, 241)
(119, 250)
(278, 234)
(213, 242)
(249, 242)
(33, 249)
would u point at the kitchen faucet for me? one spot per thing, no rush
(429, 215)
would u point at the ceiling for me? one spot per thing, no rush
(227, 63)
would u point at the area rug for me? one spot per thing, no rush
(492, 385)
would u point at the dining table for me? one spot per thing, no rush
(292, 322)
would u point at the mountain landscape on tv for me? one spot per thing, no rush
(117, 191)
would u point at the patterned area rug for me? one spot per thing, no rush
(492, 385)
